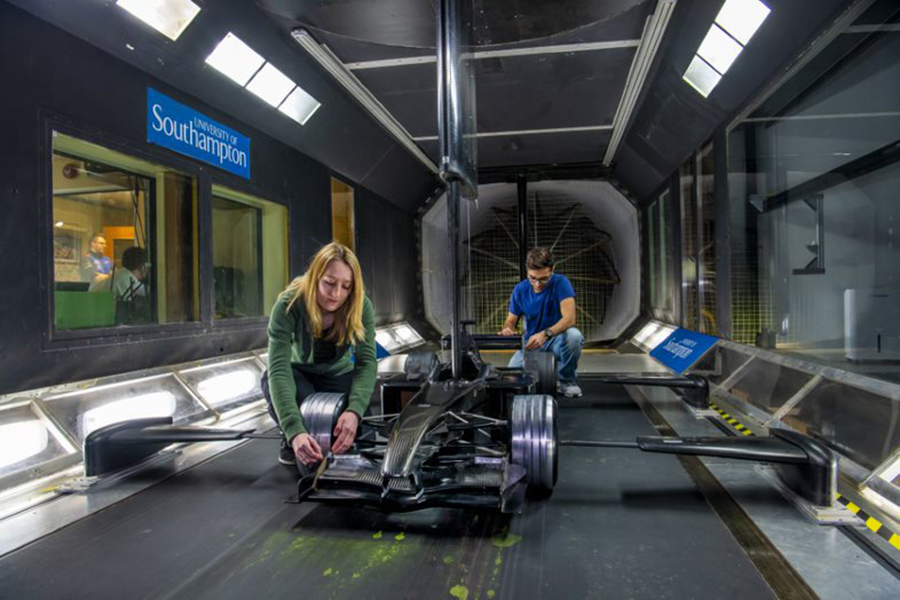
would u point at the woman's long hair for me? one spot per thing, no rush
(348, 326)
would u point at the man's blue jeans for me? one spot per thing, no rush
(566, 347)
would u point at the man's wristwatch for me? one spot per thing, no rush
(548, 333)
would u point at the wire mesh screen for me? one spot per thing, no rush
(489, 257)
(583, 253)
(707, 248)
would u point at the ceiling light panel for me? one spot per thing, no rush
(169, 17)
(701, 76)
(300, 106)
(719, 49)
(271, 85)
(235, 59)
(741, 18)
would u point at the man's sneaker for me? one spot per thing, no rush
(286, 454)
(569, 390)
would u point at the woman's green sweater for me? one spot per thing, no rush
(291, 343)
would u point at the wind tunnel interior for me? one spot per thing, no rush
(592, 229)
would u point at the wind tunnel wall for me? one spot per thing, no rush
(591, 227)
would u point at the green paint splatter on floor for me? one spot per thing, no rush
(491, 593)
(499, 560)
(448, 560)
(377, 536)
(327, 572)
(506, 540)
(357, 575)
(460, 591)
(399, 537)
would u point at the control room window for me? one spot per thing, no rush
(124, 239)
(250, 251)
(342, 218)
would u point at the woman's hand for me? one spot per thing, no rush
(345, 432)
(306, 449)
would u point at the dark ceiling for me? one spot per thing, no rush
(515, 94)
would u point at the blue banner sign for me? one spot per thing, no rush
(186, 131)
(681, 350)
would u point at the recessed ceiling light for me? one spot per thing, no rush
(701, 76)
(169, 17)
(741, 18)
(719, 49)
(300, 106)
(235, 59)
(271, 85)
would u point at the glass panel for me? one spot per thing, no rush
(160, 396)
(250, 253)
(652, 216)
(343, 224)
(26, 441)
(124, 239)
(728, 362)
(813, 176)
(859, 424)
(661, 252)
(688, 246)
(707, 248)
(226, 385)
(768, 385)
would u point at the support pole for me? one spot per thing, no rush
(453, 236)
(522, 188)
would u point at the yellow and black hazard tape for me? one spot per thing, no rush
(872, 523)
(740, 427)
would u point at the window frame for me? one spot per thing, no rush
(231, 183)
(203, 177)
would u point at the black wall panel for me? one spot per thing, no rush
(53, 79)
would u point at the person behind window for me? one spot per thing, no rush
(313, 326)
(547, 300)
(132, 298)
(128, 282)
(96, 266)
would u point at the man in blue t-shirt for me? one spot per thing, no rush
(547, 301)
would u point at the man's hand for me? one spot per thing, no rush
(507, 331)
(306, 449)
(345, 431)
(536, 341)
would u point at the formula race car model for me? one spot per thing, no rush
(483, 439)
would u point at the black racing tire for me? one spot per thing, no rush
(534, 441)
(320, 412)
(542, 366)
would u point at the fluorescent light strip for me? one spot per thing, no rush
(485, 54)
(654, 29)
(741, 18)
(235, 59)
(719, 49)
(169, 17)
(299, 105)
(489, 134)
(271, 85)
(701, 76)
(336, 68)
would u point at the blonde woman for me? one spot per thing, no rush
(313, 325)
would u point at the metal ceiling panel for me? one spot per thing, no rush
(411, 23)
(523, 150)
